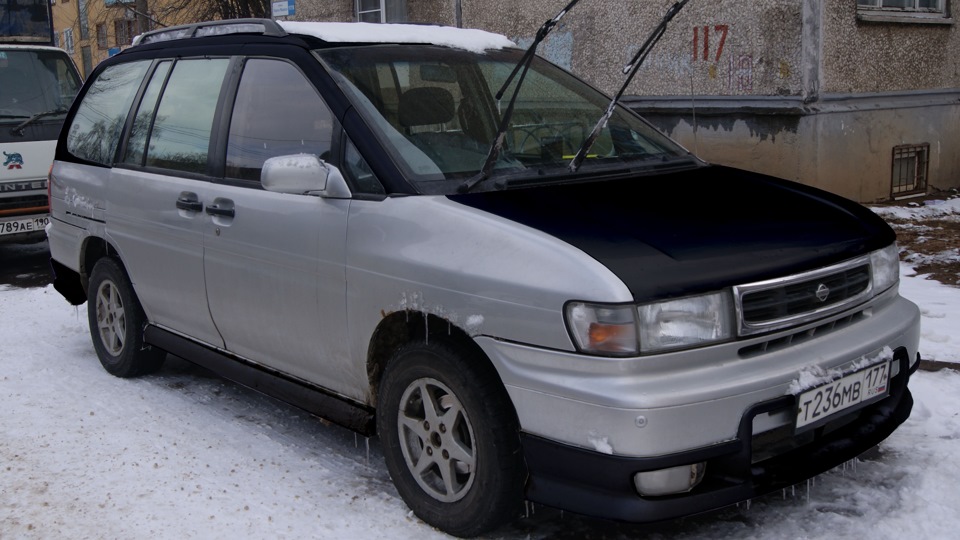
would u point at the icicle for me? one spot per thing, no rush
(426, 329)
(526, 509)
(783, 493)
(368, 449)
(748, 504)
(356, 443)
(449, 328)
(808, 491)
(793, 491)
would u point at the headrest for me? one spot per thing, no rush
(424, 106)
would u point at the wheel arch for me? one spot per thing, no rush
(95, 248)
(401, 327)
(74, 285)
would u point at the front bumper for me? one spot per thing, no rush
(662, 405)
(601, 485)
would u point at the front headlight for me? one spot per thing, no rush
(885, 266)
(686, 322)
(626, 330)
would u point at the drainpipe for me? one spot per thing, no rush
(811, 49)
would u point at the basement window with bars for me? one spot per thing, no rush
(910, 166)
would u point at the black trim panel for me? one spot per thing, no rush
(313, 399)
(601, 485)
(67, 283)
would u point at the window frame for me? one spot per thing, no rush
(389, 11)
(918, 157)
(360, 12)
(124, 31)
(875, 11)
(103, 36)
(68, 43)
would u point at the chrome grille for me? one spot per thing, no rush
(798, 298)
(801, 298)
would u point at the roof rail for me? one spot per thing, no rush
(266, 27)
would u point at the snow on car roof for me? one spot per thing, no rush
(358, 32)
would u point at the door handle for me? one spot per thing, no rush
(189, 201)
(224, 211)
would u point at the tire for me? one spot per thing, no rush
(455, 459)
(116, 323)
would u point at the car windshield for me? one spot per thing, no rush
(35, 82)
(435, 112)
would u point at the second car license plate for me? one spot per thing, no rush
(816, 406)
(23, 225)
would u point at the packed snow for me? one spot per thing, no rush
(184, 454)
(353, 32)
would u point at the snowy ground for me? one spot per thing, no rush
(182, 454)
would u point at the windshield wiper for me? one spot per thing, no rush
(630, 70)
(522, 67)
(19, 129)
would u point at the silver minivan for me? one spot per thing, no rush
(394, 228)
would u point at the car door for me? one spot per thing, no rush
(155, 213)
(274, 262)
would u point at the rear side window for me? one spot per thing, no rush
(180, 136)
(96, 128)
(277, 112)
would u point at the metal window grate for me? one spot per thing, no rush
(910, 166)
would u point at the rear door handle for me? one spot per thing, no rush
(221, 207)
(189, 201)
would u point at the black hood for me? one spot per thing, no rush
(695, 231)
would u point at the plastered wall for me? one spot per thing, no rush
(810, 54)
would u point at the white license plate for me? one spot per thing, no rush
(17, 226)
(819, 404)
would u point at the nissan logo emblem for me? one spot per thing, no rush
(822, 292)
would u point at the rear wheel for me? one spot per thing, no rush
(450, 439)
(116, 323)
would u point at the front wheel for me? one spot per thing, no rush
(450, 439)
(116, 323)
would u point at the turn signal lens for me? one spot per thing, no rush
(603, 329)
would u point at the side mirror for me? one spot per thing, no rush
(303, 174)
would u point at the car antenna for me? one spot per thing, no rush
(630, 70)
(522, 67)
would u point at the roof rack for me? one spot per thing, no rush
(266, 27)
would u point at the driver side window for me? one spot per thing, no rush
(277, 112)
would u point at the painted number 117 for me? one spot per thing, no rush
(701, 41)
